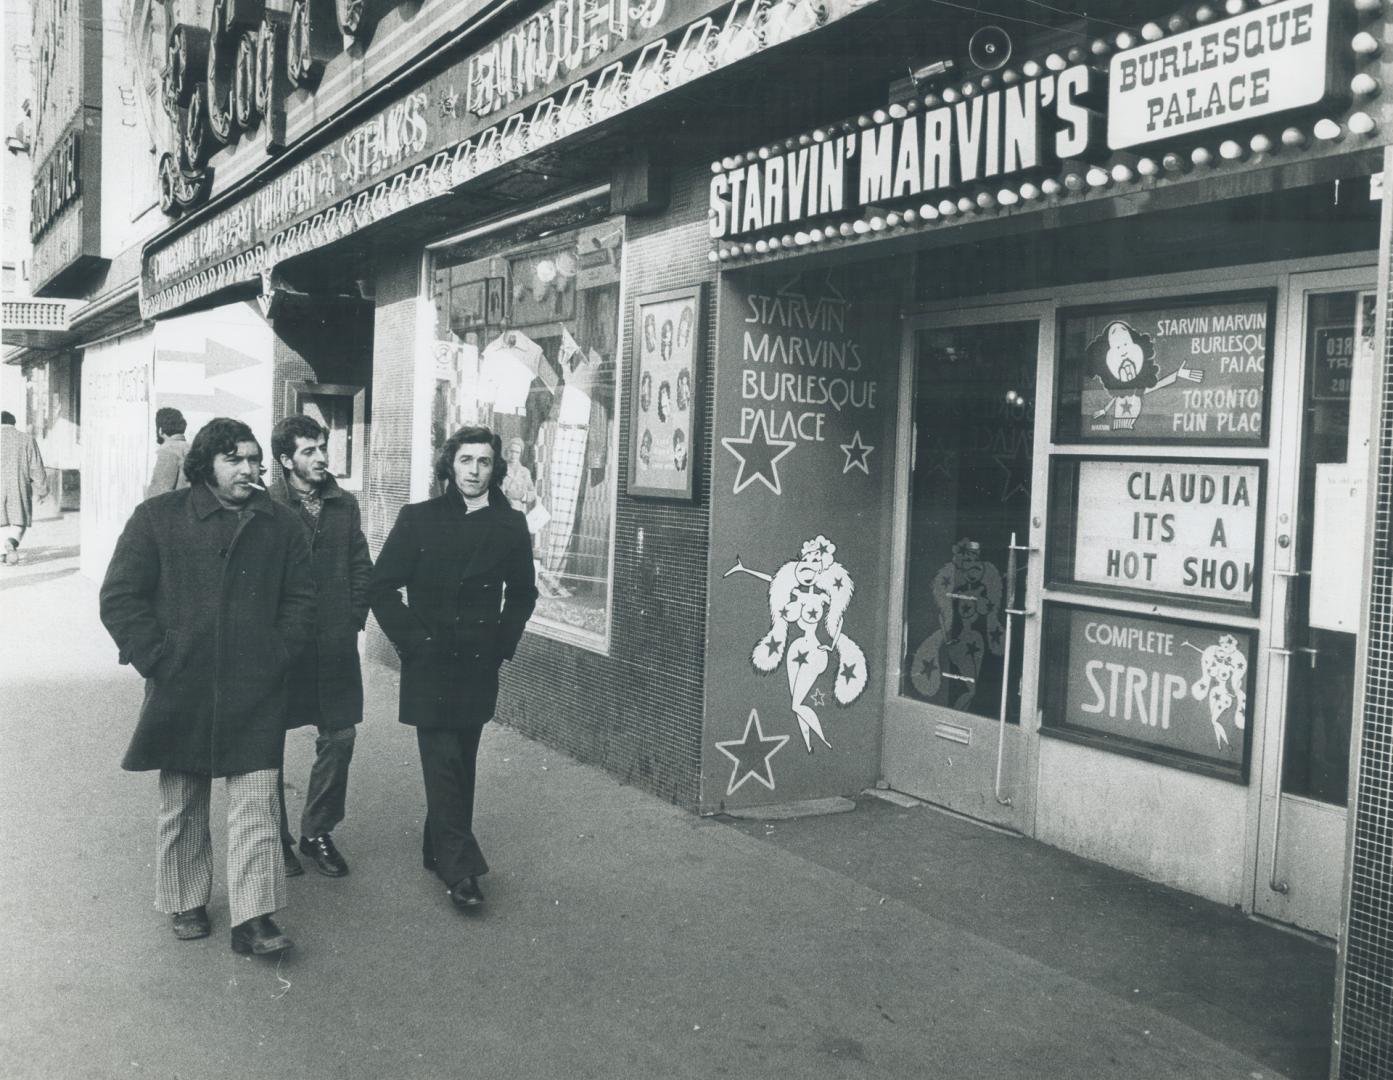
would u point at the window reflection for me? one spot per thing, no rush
(527, 343)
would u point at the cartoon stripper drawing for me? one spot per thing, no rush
(1224, 673)
(810, 591)
(1124, 361)
(967, 592)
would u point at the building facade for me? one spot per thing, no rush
(1003, 419)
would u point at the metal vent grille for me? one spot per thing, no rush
(1365, 1038)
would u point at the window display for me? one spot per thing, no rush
(526, 342)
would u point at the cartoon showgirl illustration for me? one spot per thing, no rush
(808, 597)
(967, 593)
(1124, 361)
(1223, 678)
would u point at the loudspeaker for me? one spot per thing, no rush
(989, 48)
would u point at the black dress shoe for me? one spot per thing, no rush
(191, 924)
(465, 894)
(292, 864)
(260, 936)
(327, 859)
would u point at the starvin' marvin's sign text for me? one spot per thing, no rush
(1010, 130)
(1269, 60)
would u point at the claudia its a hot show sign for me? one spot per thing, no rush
(1273, 59)
(1184, 528)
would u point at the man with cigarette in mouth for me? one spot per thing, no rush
(326, 688)
(209, 596)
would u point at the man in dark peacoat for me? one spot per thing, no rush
(327, 690)
(465, 560)
(209, 596)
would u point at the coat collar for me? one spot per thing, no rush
(452, 498)
(279, 490)
(205, 503)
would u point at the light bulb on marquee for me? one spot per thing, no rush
(1365, 44)
(1363, 85)
(948, 208)
(1293, 137)
(1204, 14)
(1361, 123)
(1368, 7)
(1260, 144)
(1231, 150)
(1097, 177)
(1050, 186)
(1147, 166)
(1029, 192)
(1121, 173)
(1007, 197)
(1201, 156)
(1030, 69)
(892, 220)
(1176, 23)
(986, 200)
(1152, 32)
(1235, 7)
(910, 216)
(1328, 130)
(1055, 62)
(761, 246)
(966, 205)
(928, 212)
(1125, 40)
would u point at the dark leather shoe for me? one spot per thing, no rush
(260, 936)
(466, 895)
(191, 924)
(292, 864)
(327, 859)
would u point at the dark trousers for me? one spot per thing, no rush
(327, 790)
(448, 760)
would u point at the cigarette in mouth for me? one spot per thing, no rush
(254, 484)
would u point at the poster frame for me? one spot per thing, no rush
(694, 296)
(1062, 536)
(1053, 689)
(1069, 384)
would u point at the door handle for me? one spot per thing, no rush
(1310, 652)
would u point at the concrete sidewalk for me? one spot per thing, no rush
(622, 937)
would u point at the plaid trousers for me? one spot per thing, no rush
(184, 845)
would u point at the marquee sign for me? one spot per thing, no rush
(1005, 131)
(1270, 60)
(1123, 112)
(428, 142)
(66, 227)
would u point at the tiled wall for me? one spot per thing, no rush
(637, 711)
(1364, 1034)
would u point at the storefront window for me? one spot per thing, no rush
(526, 342)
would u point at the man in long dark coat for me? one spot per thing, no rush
(209, 597)
(465, 560)
(327, 687)
(21, 474)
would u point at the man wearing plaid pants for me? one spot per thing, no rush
(209, 596)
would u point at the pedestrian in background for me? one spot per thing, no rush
(21, 475)
(168, 474)
(326, 688)
(465, 560)
(209, 596)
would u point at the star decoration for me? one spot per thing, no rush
(848, 672)
(1010, 485)
(750, 754)
(759, 460)
(856, 452)
(800, 656)
(819, 699)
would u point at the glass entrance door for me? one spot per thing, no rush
(966, 631)
(1323, 487)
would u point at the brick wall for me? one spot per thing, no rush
(1364, 996)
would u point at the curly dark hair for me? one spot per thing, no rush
(290, 430)
(445, 460)
(1096, 360)
(219, 436)
(170, 420)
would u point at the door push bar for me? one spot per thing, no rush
(1011, 612)
(1281, 887)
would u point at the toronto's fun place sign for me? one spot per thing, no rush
(567, 67)
(1115, 112)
